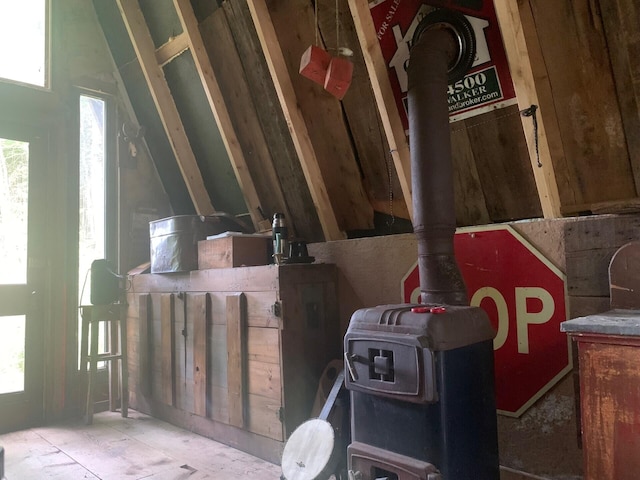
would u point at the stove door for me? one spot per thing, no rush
(391, 368)
(370, 463)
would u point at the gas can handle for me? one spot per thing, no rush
(348, 360)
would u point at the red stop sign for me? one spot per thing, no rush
(525, 298)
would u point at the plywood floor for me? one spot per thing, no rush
(138, 447)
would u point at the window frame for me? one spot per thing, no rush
(47, 55)
(111, 200)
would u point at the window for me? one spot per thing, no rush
(24, 42)
(14, 202)
(14, 212)
(92, 217)
(95, 198)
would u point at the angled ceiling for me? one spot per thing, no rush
(244, 133)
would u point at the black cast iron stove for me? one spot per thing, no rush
(421, 375)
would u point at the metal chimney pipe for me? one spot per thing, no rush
(435, 49)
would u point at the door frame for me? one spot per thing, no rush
(26, 408)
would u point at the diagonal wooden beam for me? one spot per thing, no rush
(219, 108)
(295, 120)
(377, 68)
(522, 47)
(167, 110)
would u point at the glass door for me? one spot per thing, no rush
(21, 362)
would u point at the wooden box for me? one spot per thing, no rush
(233, 251)
(234, 354)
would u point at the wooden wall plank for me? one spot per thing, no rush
(219, 109)
(377, 69)
(167, 110)
(324, 118)
(584, 96)
(167, 322)
(259, 309)
(518, 42)
(200, 318)
(219, 406)
(263, 345)
(264, 417)
(227, 64)
(143, 371)
(264, 379)
(379, 174)
(155, 346)
(621, 19)
(218, 353)
(470, 204)
(237, 359)
(589, 246)
(304, 218)
(502, 163)
(295, 119)
(183, 365)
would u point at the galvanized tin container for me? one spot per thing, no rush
(174, 241)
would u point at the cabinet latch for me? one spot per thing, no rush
(276, 309)
(281, 414)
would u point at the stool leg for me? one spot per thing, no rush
(84, 347)
(124, 367)
(93, 368)
(113, 369)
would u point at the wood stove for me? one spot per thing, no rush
(421, 376)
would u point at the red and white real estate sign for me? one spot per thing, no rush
(524, 295)
(486, 87)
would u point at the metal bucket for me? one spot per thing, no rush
(174, 240)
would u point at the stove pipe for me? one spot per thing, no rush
(440, 49)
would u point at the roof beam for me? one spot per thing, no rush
(167, 110)
(377, 69)
(219, 109)
(297, 127)
(526, 65)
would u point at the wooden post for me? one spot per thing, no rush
(144, 341)
(237, 358)
(526, 65)
(167, 332)
(200, 311)
(377, 68)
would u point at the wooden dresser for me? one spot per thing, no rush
(233, 354)
(609, 356)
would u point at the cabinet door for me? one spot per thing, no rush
(213, 354)
(250, 360)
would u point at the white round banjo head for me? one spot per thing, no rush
(308, 452)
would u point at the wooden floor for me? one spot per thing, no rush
(138, 447)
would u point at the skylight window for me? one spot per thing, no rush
(23, 41)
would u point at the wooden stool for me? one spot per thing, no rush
(92, 317)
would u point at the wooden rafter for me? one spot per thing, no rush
(295, 121)
(170, 50)
(377, 68)
(219, 108)
(167, 110)
(521, 43)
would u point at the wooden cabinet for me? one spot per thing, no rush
(609, 355)
(235, 354)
